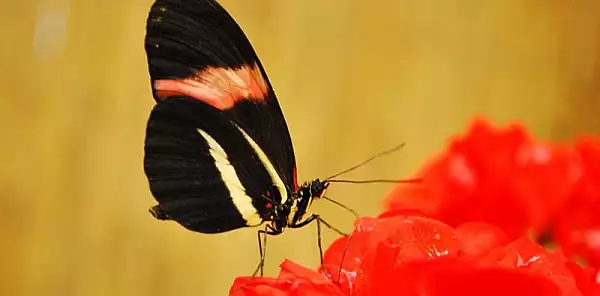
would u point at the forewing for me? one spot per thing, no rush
(196, 49)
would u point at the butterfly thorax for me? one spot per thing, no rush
(293, 211)
(303, 198)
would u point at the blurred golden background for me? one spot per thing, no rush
(353, 78)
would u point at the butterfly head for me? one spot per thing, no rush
(303, 198)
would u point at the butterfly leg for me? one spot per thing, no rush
(262, 244)
(262, 247)
(315, 217)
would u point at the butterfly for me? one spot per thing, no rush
(218, 154)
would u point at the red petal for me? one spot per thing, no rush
(291, 272)
(418, 273)
(494, 175)
(489, 282)
(577, 226)
(375, 273)
(305, 281)
(397, 241)
(585, 277)
(477, 239)
(256, 286)
(403, 212)
(521, 253)
(365, 224)
(526, 255)
(350, 248)
(343, 279)
(416, 237)
(544, 177)
(339, 250)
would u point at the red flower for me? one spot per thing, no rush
(406, 254)
(577, 226)
(414, 255)
(293, 280)
(462, 231)
(493, 175)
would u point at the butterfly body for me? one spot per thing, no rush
(218, 154)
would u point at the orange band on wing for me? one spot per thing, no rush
(216, 86)
(295, 173)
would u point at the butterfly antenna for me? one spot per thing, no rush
(328, 179)
(416, 180)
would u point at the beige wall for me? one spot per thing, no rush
(353, 78)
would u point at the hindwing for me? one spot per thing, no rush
(204, 171)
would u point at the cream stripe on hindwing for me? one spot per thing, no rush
(240, 199)
(268, 165)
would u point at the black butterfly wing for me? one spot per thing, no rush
(188, 37)
(207, 77)
(202, 170)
